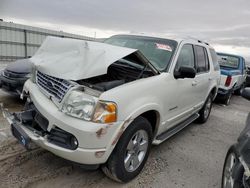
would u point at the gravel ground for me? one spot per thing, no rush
(192, 159)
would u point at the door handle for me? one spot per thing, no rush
(194, 83)
(210, 78)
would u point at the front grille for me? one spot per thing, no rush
(55, 87)
(10, 74)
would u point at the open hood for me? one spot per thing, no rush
(73, 59)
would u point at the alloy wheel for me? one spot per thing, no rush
(228, 181)
(208, 107)
(136, 150)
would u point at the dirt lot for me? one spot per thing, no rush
(191, 159)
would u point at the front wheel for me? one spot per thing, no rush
(131, 152)
(232, 175)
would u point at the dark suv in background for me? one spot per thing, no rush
(14, 76)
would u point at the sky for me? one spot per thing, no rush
(225, 24)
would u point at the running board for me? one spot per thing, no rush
(172, 131)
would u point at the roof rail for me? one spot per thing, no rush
(200, 41)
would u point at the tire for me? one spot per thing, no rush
(206, 109)
(115, 167)
(238, 91)
(230, 166)
(227, 98)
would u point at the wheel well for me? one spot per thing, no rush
(153, 117)
(213, 91)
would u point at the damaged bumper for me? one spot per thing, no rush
(70, 138)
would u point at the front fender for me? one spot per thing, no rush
(145, 108)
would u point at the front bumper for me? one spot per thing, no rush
(95, 141)
(13, 86)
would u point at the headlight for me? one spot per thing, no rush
(79, 105)
(105, 112)
(83, 106)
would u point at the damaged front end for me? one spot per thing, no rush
(30, 119)
(15, 119)
(96, 65)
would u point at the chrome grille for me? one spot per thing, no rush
(55, 87)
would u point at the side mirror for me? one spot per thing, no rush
(185, 72)
(246, 93)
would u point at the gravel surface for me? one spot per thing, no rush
(192, 159)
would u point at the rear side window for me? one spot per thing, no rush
(214, 59)
(186, 57)
(202, 63)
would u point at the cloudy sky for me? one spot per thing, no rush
(223, 23)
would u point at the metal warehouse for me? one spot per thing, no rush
(20, 41)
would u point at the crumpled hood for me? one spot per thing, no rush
(73, 59)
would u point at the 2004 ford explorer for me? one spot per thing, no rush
(106, 103)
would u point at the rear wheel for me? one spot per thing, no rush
(206, 109)
(131, 152)
(238, 91)
(227, 98)
(229, 180)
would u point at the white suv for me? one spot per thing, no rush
(106, 103)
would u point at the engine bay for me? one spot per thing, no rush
(122, 71)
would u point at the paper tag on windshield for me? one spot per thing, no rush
(163, 47)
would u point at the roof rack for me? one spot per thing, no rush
(200, 41)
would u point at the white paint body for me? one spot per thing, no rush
(160, 93)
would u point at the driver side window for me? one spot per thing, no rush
(186, 57)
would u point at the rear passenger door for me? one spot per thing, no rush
(202, 79)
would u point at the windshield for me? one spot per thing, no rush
(158, 51)
(228, 61)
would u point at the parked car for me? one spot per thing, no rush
(248, 77)
(106, 103)
(236, 170)
(14, 76)
(233, 75)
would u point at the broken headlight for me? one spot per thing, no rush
(105, 112)
(79, 105)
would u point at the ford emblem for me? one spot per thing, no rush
(50, 84)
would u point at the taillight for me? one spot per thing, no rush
(228, 81)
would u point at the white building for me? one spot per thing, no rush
(20, 41)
